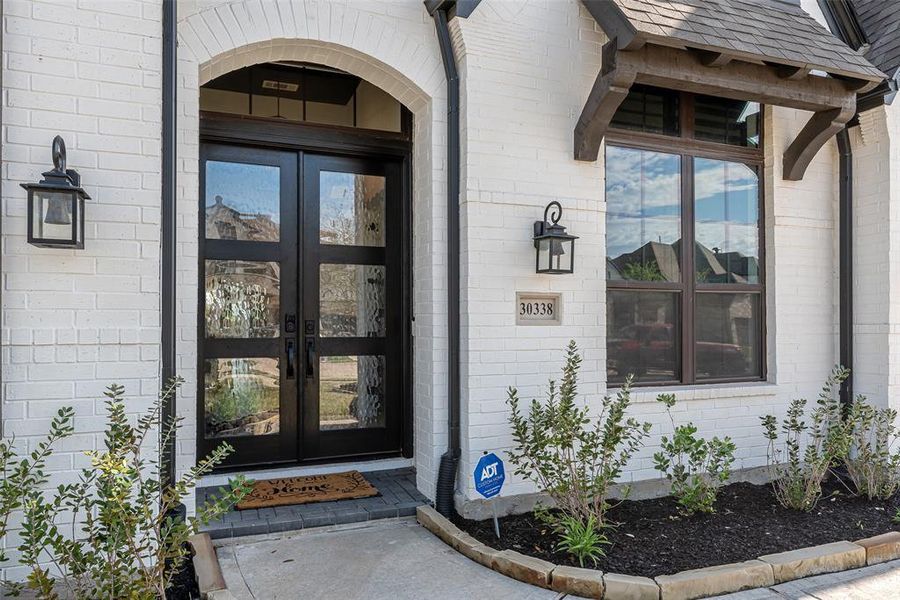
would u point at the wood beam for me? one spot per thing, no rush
(677, 69)
(818, 130)
(832, 100)
(609, 90)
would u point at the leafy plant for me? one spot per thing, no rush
(569, 455)
(872, 463)
(801, 461)
(584, 541)
(23, 478)
(695, 466)
(122, 538)
(648, 271)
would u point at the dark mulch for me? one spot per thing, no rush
(184, 583)
(650, 538)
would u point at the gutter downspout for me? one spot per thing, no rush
(446, 482)
(168, 220)
(845, 245)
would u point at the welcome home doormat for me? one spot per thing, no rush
(309, 488)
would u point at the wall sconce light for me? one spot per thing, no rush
(56, 205)
(554, 247)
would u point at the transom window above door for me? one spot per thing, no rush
(304, 93)
(682, 171)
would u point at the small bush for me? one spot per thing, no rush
(569, 455)
(584, 541)
(802, 459)
(872, 463)
(695, 466)
(112, 534)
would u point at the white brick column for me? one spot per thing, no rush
(876, 255)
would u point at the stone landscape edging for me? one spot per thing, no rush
(767, 570)
(207, 569)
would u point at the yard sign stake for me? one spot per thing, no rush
(489, 476)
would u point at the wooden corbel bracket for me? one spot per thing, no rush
(818, 130)
(609, 90)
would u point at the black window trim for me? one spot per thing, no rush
(687, 148)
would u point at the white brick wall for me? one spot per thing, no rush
(526, 70)
(75, 321)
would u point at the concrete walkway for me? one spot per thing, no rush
(399, 560)
(390, 560)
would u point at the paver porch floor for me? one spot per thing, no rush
(398, 498)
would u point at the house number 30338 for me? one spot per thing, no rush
(537, 309)
(540, 308)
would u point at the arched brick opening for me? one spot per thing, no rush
(212, 43)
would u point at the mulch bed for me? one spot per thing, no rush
(650, 538)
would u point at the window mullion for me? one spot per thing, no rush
(687, 274)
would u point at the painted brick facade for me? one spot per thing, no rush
(526, 71)
(74, 321)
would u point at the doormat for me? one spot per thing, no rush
(309, 488)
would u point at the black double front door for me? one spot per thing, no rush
(301, 332)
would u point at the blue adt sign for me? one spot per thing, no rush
(489, 475)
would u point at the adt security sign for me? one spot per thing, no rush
(489, 475)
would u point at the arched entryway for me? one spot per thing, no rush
(398, 55)
(304, 340)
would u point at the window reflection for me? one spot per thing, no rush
(241, 397)
(242, 201)
(242, 298)
(726, 211)
(351, 392)
(727, 335)
(648, 109)
(351, 209)
(727, 121)
(643, 218)
(642, 336)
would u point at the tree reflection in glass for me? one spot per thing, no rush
(643, 215)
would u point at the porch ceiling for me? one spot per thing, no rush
(761, 51)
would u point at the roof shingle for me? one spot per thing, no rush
(880, 19)
(756, 30)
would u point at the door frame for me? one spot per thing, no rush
(276, 134)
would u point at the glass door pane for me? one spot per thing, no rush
(247, 390)
(352, 306)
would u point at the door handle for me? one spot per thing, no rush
(310, 357)
(291, 352)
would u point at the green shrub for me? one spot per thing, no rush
(696, 467)
(872, 463)
(111, 534)
(23, 478)
(584, 541)
(800, 461)
(569, 455)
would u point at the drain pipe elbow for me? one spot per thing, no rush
(446, 483)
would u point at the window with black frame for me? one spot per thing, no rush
(683, 171)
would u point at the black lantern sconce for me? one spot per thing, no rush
(554, 247)
(56, 205)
